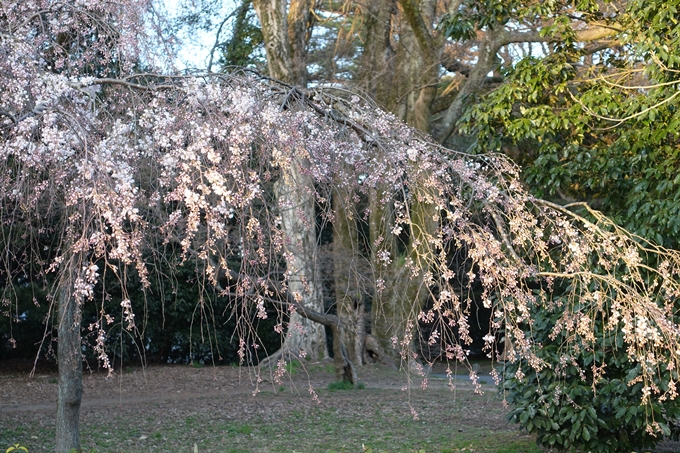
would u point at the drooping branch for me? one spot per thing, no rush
(208, 152)
(273, 292)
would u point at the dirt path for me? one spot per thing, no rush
(21, 393)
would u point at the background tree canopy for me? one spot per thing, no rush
(597, 122)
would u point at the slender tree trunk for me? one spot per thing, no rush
(70, 368)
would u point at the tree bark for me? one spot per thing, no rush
(427, 73)
(274, 24)
(69, 357)
(286, 29)
(295, 194)
(349, 296)
(300, 21)
(486, 61)
(376, 72)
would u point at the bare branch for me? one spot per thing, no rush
(619, 121)
(9, 115)
(595, 32)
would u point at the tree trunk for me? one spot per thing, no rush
(272, 16)
(295, 194)
(349, 294)
(424, 68)
(376, 74)
(69, 357)
(286, 28)
(486, 62)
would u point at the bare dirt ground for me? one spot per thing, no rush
(19, 392)
(146, 402)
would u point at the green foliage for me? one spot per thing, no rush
(594, 402)
(16, 448)
(246, 38)
(601, 124)
(487, 15)
(598, 126)
(457, 27)
(345, 385)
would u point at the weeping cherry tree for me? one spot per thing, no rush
(102, 165)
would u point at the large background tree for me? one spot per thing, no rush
(560, 76)
(426, 62)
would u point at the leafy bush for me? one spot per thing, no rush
(571, 409)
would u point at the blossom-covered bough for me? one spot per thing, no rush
(104, 170)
